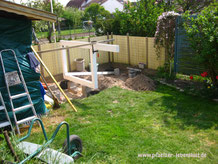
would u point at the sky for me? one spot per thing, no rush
(63, 2)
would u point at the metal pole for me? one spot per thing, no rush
(53, 24)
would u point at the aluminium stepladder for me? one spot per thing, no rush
(12, 79)
(6, 122)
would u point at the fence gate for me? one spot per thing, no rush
(184, 60)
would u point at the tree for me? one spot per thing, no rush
(46, 6)
(193, 6)
(202, 33)
(73, 17)
(139, 19)
(96, 12)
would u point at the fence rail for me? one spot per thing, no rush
(133, 50)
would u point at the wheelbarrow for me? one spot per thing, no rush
(72, 146)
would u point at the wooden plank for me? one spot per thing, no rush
(107, 47)
(47, 155)
(85, 45)
(31, 13)
(75, 79)
(62, 48)
(134, 69)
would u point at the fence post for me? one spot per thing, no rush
(112, 43)
(68, 57)
(40, 55)
(146, 51)
(109, 54)
(70, 32)
(128, 48)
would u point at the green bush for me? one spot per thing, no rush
(164, 72)
(73, 17)
(202, 34)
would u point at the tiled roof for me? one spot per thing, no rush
(75, 3)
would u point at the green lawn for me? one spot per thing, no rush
(63, 32)
(117, 125)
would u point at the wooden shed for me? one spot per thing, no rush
(16, 34)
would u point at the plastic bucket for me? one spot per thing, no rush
(141, 65)
(132, 73)
(80, 64)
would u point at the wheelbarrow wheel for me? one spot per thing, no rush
(75, 145)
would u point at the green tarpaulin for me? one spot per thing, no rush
(16, 34)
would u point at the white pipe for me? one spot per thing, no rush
(64, 61)
(89, 73)
(94, 69)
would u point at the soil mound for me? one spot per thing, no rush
(140, 83)
(110, 81)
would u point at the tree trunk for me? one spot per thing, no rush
(49, 33)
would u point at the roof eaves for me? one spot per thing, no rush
(31, 13)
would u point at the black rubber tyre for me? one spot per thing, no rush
(76, 143)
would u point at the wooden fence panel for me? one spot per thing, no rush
(153, 60)
(51, 59)
(139, 48)
(122, 56)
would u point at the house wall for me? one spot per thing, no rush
(84, 3)
(112, 5)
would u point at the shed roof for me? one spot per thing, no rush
(30, 13)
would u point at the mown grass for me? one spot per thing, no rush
(117, 125)
(63, 32)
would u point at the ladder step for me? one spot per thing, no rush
(2, 107)
(19, 95)
(4, 124)
(22, 107)
(26, 120)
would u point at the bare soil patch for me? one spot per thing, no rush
(141, 82)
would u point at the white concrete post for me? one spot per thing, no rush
(64, 61)
(94, 69)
